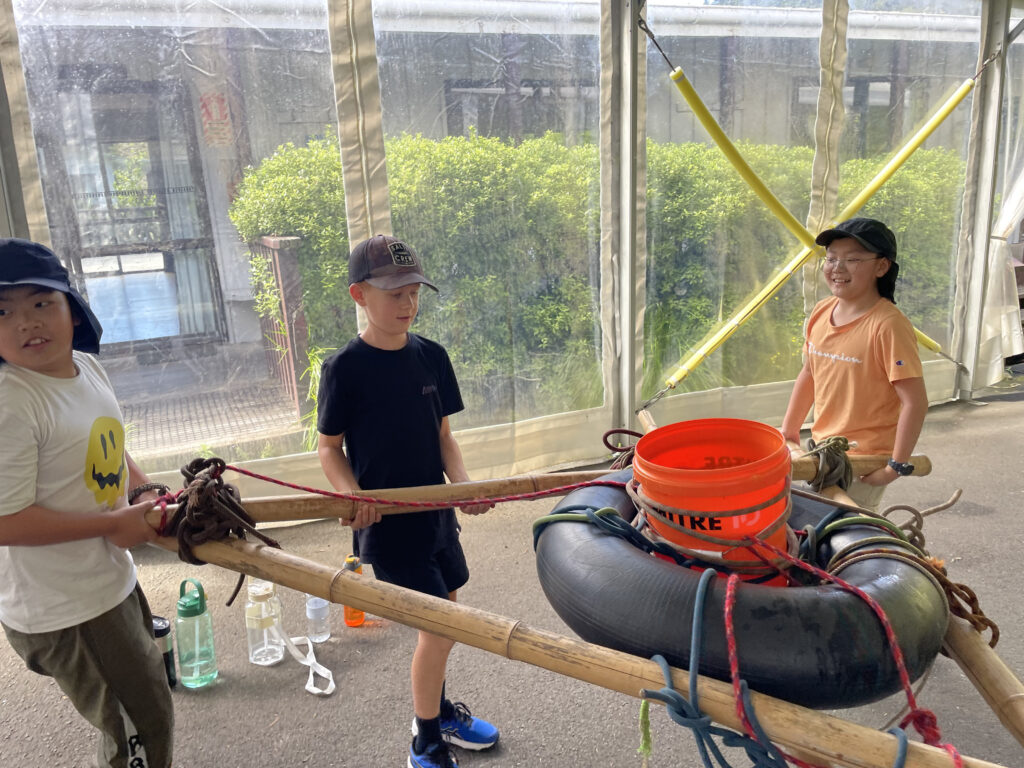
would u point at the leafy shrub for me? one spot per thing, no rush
(509, 233)
(920, 203)
(298, 191)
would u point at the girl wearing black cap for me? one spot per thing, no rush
(861, 369)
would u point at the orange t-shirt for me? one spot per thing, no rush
(853, 366)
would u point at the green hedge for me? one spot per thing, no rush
(509, 232)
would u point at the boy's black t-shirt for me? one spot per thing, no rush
(389, 404)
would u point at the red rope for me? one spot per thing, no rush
(734, 669)
(923, 720)
(734, 661)
(168, 498)
(560, 491)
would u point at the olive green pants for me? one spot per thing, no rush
(112, 672)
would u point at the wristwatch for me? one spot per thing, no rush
(900, 468)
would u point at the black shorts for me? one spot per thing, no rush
(434, 574)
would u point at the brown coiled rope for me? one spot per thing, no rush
(210, 510)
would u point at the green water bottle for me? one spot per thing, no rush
(193, 629)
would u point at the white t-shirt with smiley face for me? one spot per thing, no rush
(61, 447)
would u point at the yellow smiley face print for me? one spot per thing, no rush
(104, 461)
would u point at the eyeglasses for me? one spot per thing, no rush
(831, 262)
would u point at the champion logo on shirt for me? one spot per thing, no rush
(899, 362)
(429, 389)
(838, 356)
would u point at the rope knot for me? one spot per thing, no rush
(925, 723)
(210, 510)
(833, 464)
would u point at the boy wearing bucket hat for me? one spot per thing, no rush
(861, 372)
(383, 414)
(70, 603)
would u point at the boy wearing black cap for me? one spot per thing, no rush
(861, 372)
(70, 602)
(383, 414)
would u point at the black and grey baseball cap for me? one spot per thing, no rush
(23, 262)
(385, 262)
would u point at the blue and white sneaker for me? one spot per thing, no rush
(461, 729)
(434, 756)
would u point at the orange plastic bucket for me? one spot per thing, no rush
(716, 466)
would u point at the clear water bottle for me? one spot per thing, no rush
(263, 623)
(318, 619)
(353, 616)
(193, 629)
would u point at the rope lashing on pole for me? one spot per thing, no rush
(686, 711)
(208, 510)
(730, 326)
(834, 466)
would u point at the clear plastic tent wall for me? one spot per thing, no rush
(203, 168)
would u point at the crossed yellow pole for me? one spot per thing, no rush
(730, 326)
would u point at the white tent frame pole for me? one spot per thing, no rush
(979, 204)
(622, 207)
(22, 213)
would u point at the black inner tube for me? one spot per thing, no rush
(817, 646)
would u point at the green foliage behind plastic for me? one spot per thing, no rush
(509, 233)
(298, 191)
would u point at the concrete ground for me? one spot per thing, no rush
(262, 718)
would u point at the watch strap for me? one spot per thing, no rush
(900, 468)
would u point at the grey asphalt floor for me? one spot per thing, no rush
(262, 718)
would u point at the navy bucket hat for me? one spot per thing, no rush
(875, 237)
(23, 262)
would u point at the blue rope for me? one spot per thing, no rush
(684, 713)
(810, 542)
(901, 753)
(687, 712)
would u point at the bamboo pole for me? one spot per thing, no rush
(312, 506)
(1000, 688)
(828, 740)
(996, 683)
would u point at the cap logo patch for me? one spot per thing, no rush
(401, 255)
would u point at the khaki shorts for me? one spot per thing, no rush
(867, 496)
(112, 672)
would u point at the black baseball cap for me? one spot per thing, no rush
(385, 262)
(23, 262)
(875, 237)
(870, 233)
